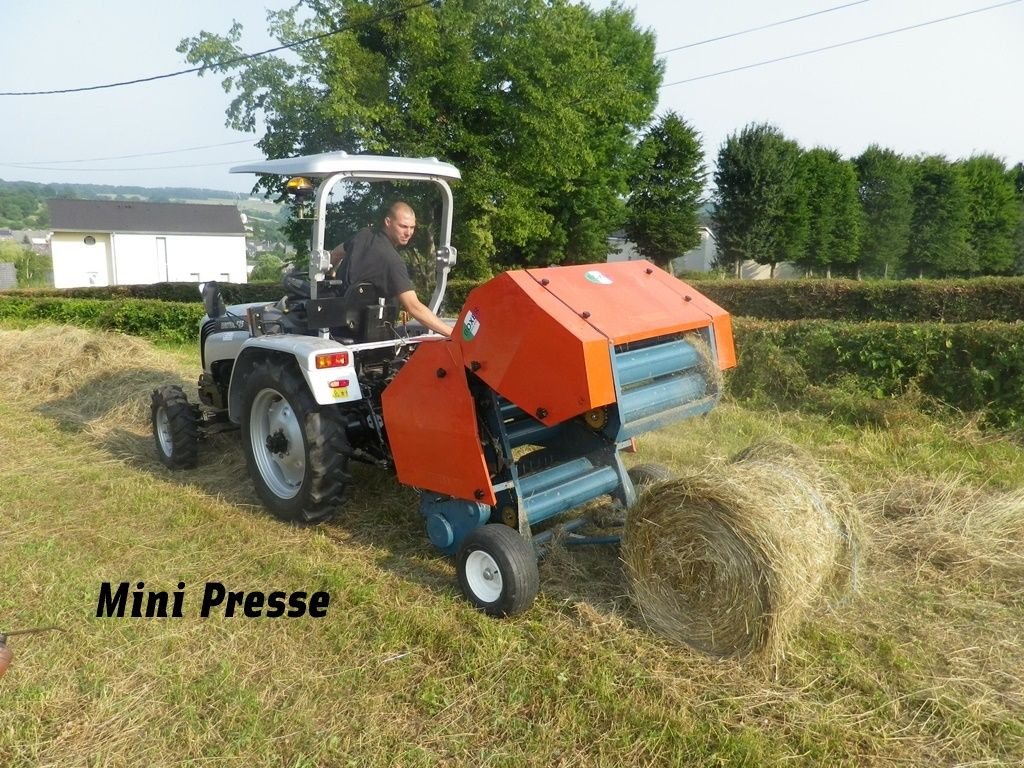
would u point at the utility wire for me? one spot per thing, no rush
(838, 45)
(757, 29)
(227, 62)
(29, 163)
(151, 168)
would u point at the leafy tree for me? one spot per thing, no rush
(886, 197)
(761, 211)
(268, 267)
(665, 191)
(994, 212)
(34, 270)
(834, 217)
(939, 227)
(538, 102)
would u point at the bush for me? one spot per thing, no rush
(949, 301)
(233, 293)
(974, 367)
(157, 320)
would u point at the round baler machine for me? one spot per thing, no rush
(506, 428)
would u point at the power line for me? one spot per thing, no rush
(838, 45)
(226, 62)
(150, 168)
(30, 163)
(756, 29)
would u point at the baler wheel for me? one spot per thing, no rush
(643, 475)
(497, 570)
(175, 428)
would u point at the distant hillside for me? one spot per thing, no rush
(23, 203)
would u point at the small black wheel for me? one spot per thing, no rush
(175, 428)
(296, 451)
(497, 570)
(643, 475)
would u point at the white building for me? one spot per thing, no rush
(106, 242)
(703, 258)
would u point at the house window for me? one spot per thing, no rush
(193, 276)
(89, 240)
(225, 277)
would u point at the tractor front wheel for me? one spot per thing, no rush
(296, 451)
(175, 428)
(497, 570)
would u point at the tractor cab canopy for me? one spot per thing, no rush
(354, 166)
(329, 168)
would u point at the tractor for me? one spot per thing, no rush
(506, 429)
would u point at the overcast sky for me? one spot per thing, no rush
(947, 88)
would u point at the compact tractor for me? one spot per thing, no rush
(506, 429)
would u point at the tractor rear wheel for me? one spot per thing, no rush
(497, 570)
(295, 450)
(175, 428)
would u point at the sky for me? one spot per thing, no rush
(944, 88)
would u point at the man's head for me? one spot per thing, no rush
(400, 224)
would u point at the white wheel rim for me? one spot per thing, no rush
(163, 432)
(272, 419)
(483, 576)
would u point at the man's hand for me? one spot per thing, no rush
(421, 312)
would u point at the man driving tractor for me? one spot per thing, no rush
(371, 256)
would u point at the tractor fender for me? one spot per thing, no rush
(328, 385)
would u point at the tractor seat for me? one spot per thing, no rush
(360, 315)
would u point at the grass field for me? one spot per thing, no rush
(922, 666)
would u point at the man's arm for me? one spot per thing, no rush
(421, 312)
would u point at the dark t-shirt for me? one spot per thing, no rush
(371, 258)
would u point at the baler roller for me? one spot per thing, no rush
(637, 365)
(546, 493)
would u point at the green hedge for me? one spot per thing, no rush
(973, 367)
(949, 301)
(157, 320)
(233, 293)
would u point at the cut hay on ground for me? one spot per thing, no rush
(731, 558)
(99, 383)
(953, 527)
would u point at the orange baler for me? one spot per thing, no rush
(550, 373)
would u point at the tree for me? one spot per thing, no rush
(993, 214)
(33, 269)
(268, 267)
(939, 227)
(665, 191)
(761, 211)
(833, 208)
(886, 198)
(538, 102)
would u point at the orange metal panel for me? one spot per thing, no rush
(534, 350)
(724, 345)
(430, 419)
(628, 300)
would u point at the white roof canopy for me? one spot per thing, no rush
(328, 163)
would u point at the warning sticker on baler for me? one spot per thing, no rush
(470, 326)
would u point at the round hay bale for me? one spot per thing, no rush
(831, 496)
(730, 559)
